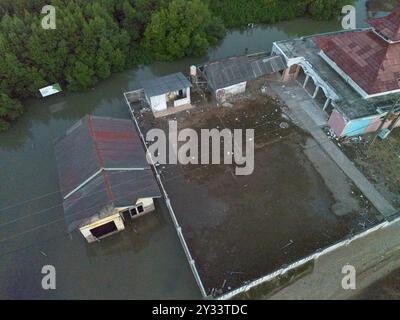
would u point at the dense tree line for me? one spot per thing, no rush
(95, 38)
(238, 13)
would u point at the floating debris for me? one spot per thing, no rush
(284, 125)
(288, 245)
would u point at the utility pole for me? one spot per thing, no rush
(386, 118)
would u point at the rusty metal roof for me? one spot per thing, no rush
(388, 26)
(101, 162)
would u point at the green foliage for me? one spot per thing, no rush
(95, 38)
(323, 10)
(184, 28)
(10, 109)
(237, 13)
(92, 40)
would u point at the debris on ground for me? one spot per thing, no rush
(284, 125)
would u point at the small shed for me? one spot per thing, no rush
(104, 176)
(229, 77)
(171, 91)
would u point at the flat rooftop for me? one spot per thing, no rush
(351, 103)
(240, 228)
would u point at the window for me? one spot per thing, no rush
(104, 230)
(181, 94)
(140, 209)
(133, 212)
(125, 214)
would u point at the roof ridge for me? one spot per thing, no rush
(99, 158)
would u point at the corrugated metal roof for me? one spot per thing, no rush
(76, 157)
(94, 143)
(235, 70)
(228, 72)
(91, 202)
(163, 85)
(95, 159)
(267, 66)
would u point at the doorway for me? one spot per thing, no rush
(104, 230)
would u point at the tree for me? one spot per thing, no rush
(10, 109)
(96, 38)
(80, 76)
(181, 30)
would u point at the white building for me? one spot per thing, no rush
(167, 93)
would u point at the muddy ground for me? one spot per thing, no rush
(240, 228)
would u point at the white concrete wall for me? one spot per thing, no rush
(181, 102)
(158, 103)
(85, 230)
(224, 93)
(148, 204)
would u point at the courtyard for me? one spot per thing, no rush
(240, 228)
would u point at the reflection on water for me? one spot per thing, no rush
(145, 261)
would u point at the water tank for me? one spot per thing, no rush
(193, 71)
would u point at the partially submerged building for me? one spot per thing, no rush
(104, 175)
(354, 75)
(171, 92)
(229, 77)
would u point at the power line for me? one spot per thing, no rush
(55, 221)
(30, 200)
(166, 180)
(61, 204)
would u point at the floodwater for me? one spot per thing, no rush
(144, 262)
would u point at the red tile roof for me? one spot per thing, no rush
(366, 58)
(388, 26)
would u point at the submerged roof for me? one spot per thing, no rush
(101, 164)
(228, 72)
(388, 26)
(366, 58)
(166, 84)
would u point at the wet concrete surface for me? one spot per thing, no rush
(240, 228)
(387, 288)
